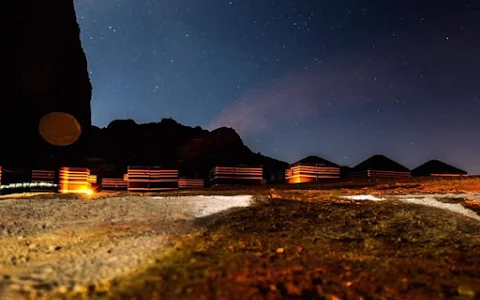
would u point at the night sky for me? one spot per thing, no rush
(340, 79)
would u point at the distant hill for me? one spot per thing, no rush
(167, 143)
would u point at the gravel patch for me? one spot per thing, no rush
(67, 244)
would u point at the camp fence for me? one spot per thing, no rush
(114, 184)
(189, 183)
(277, 176)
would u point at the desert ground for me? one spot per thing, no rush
(383, 240)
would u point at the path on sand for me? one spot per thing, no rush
(70, 243)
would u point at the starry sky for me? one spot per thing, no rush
(341, 79)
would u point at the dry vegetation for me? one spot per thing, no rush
(306, 243)
(321, 250)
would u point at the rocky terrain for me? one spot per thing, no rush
(413, 240)
(70, 244)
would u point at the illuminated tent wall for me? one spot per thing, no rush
(312, 169)
(436, 168)
(45, 180)
(93, 181)
(236, 175)
(379, 166)
(189, 183)
(74, 180)
(114, 184)
(151, 179)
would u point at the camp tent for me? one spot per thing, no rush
(236, 175)
(312, 169)
(439, 169)
(379, 166)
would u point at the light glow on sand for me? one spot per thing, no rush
(87, 192)
(429, 200)
(363, 198)
(202, 206)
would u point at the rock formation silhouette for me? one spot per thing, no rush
(45, 70)
(46, 84)
(194, 151)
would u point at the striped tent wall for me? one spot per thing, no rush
(236, 175)
(449, 175)
(151, 179)
(188, 183)
(74, 180)
(437, 168)
(92, 179)
(372, 174)
(45, 180)
(306, 173)
(114, 184)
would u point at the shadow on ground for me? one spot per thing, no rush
(324, 250)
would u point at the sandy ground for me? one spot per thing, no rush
(71, 244)
(182, 247)
(402, 247)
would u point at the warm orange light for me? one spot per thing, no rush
(75, 180)
(87, 192)
(308, 174)
(299, 179)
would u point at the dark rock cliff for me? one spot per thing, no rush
(167, 143)
(44, 70)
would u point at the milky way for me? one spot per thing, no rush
(340, 79)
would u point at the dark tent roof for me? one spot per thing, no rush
(316, 161)
(380, 163)
(437, 167)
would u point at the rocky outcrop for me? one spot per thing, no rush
(44, 70)
(167, 143)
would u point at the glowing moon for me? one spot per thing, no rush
(59, 128)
